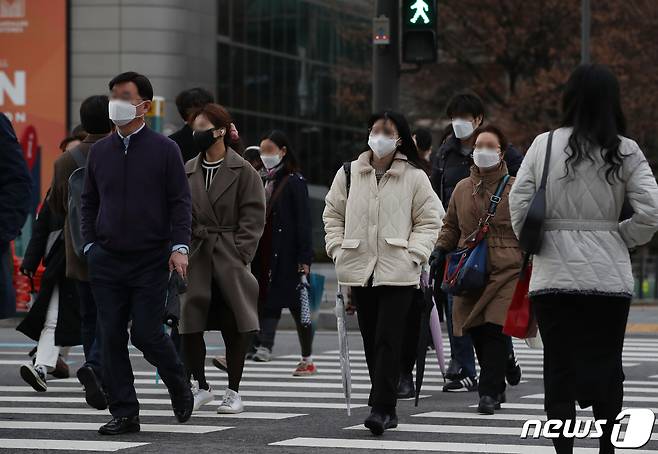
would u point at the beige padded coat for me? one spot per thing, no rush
(385, 231)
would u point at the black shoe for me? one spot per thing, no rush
(465, 384)
(454, 370)
(118, 426)
(502, 398)
(487, 405)
(94, 394)
(183, 404)
(513, 371)
(61, 369)
(406, 387)
(35, 377)
(378, 422)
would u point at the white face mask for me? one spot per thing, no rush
(382, 145)
(485, 158)
(270, 161)
(123, 112)
(463, 128)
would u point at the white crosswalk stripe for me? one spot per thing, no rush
(270, 393)
(469, 432)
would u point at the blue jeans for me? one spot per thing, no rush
(461, 347)
(90, 330)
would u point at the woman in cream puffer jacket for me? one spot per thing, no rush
(582, 284)
(379, 237)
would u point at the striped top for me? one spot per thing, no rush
(210, 170)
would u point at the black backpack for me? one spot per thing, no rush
(76, 186)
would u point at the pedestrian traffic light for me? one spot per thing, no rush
(419, 31)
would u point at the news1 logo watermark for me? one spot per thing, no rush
(638, 430)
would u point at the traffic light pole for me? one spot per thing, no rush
(386, 61)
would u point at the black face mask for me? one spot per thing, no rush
(204, 139)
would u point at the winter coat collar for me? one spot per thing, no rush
(397, 167)
(226, 175)
(489, 175)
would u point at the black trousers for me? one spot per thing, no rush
(411, 335)
(382, 313)
(90, 329)
(492, 350)
(126, 287)
(583, 340)
(269, 321)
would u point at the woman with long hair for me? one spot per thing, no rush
(379, 236)
(285, 251)
(582, 284)
(228, 214)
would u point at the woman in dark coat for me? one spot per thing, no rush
(54, 319)
(228, 215)
(285, 250)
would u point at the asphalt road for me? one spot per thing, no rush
(294, 415)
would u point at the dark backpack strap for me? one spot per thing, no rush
(347, 167)
(78, 157)
(547, 161)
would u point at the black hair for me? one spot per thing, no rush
(281, 140)
(465, 103)
(67, 140)
(496, 131)
(144, 87)
(79, 130)
(423, 139)
(192, 99)
(251, 154)
(94, 115)
(407, 145)
(591, 105)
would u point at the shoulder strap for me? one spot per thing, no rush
(347, 168)
(78, 157)
(547, 161)
(276, 195)
(496, 198)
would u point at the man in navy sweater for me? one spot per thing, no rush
(136, 222)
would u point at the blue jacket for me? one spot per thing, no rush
(15, 183)
(136, 199)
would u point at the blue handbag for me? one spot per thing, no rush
(466, 269)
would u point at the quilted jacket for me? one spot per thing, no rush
(585, 248)
(385, 231)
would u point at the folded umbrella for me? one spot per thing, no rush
(344, 349)
(304, 299)
(437, 337)
(424, 300)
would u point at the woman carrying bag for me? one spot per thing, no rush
(379, 237)
(582, 284)
(482, 200)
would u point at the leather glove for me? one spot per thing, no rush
(437, 262)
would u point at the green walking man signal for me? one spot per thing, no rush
(419, 18)
(422, 8)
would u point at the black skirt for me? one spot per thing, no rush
(583, 338)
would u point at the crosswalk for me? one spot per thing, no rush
(466, 431)
(60, 420)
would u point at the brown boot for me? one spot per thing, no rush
(61, 368)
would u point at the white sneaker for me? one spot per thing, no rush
(231, 404)
(201, 396)
(34, 376)
(263, 355)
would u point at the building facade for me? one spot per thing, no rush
(301, 66)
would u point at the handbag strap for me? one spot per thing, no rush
(547, 161)
(495, 200)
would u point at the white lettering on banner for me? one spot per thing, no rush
(638, 431)
(15, 90)
(16, 117)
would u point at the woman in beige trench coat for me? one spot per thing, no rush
(228, 216)
(482, 314)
